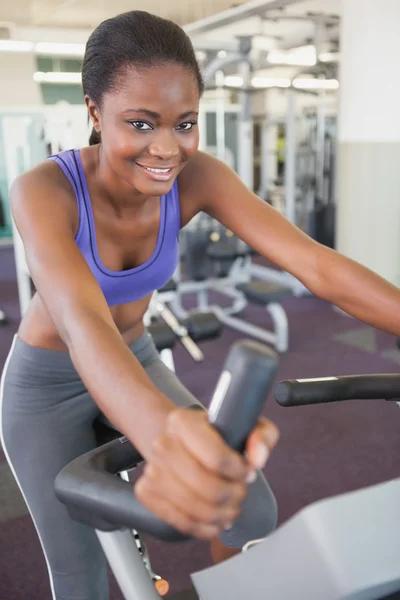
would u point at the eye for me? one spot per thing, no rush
(187, 126)
(141, 125)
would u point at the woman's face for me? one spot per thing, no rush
(148, 126)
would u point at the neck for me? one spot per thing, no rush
(116, 192)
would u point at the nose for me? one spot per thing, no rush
(164, 145)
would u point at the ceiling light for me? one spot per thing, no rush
(329, 57)
(265, 82)
(57, 77)
(15, 46)
(315, 84)
(303, 56)
(60, 49)
(258, 82)
(233, 81)
(201, 55)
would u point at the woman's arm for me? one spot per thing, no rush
(74, 300)
(358, 291)
(192, 479)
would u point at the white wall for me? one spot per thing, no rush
(369, 72)
(17, 87)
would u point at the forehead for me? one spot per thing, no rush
(155, 88)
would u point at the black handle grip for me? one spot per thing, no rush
(242, 391)
(301, 392)
(89, 487)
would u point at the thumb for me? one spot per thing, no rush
(261, 441)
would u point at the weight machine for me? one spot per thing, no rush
(245, 148)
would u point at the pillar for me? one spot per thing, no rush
(368, 216)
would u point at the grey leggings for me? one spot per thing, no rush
(46, 420)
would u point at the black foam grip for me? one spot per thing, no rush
(248, 376)
(337, 389)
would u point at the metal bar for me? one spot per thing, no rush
(220, 115)
(290, 159)
(268, 337)
(321, 125)
(15, 132)
(127, 565)
(265, 160)
(227, 17)
(245, 128)
(219, 63)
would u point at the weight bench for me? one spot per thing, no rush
(270, 295)
(262, 292)
(218, 262)
(188, 329)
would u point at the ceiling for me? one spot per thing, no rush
(295, 28)
(88, 13)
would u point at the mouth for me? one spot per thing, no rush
(158, 174)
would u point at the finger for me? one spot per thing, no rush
(206, 484)
(261, 442)
(205, 443)
(172, 515)
(188, 501)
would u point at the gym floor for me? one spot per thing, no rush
(324, 450)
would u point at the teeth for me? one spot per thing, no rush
(158, 170)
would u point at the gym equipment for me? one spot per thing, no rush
(316, 164)
(245, 146)
(163, 336)
(180, 331)
(203, 326)
(341, 548)
(216, 261)
(26, 135)
(3, 318)
(198, 326)
(94, 495)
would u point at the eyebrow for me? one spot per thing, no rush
(155, 115)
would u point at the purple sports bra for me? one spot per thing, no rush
(121, 287)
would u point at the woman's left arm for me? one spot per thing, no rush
(352, 287)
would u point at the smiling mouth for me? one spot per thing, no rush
(157, 170)
(158, 174)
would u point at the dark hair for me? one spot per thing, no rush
(133, 38)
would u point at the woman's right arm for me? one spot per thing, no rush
(73, 298)
(192, 479)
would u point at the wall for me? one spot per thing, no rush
(17, 87)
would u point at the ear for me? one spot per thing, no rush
(94, 114)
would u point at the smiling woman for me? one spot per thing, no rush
(151, 61)
(100, 225)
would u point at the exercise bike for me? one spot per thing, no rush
(3, 318)
(341, 548)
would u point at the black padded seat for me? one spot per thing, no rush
(168, 287)
(225, 250)
(263, 292)
(163, 336)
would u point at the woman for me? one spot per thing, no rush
(100, 229)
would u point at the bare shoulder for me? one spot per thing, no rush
(44, 187)
(201, 168)
(199, 181)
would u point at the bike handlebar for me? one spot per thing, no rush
(300, 392)
(89, 486)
